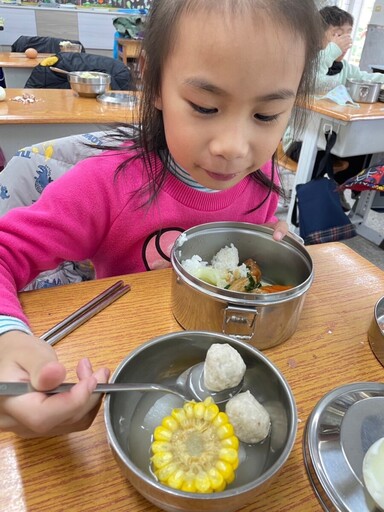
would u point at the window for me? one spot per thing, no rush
(361, 10)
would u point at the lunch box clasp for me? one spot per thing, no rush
(239, 319)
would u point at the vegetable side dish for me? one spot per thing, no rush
(226, 272)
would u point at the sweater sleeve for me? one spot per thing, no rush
(326, 58)
(57, 227)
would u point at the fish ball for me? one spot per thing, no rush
(249, 418)
(223, 367)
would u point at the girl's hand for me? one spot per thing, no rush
(280, 229)
(26, 358)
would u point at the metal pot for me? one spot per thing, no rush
(376, 331)
(363, 92)
(264, 320)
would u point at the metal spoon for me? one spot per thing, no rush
(58, 70)
(188, 386)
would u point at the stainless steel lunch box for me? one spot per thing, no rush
(363, 92)
(376, 331)
(265, 320)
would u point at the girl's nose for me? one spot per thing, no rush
(230, 142)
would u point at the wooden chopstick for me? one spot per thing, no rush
(83, 314)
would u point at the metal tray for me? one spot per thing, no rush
(118, 99)
(338, 433)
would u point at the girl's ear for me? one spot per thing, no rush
(158, 102)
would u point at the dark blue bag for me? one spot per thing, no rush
(321, 216)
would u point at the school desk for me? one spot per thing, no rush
(55, 113)
(78, 473)
(17, 67)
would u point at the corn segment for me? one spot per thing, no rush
(195, 449)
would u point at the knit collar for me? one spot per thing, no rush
(182, 174)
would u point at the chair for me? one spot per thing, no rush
(29, 172)
(288, 167)
(42, 77)
(40, 43)
(287, 163)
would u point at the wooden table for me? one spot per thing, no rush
(57, 113)
(17, 67)
(77, 473)
(359, 132)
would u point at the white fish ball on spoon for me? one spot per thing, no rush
(224, 367)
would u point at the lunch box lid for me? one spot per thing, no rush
(338, 433)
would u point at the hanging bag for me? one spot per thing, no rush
(321, 216)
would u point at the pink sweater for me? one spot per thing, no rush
(90, 213)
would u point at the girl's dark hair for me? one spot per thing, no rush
(335, 17)
(300, 16)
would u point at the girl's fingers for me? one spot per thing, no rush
(48, 377)
(40, 413)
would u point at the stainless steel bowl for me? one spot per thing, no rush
(363, 92)
(89, 84)
(162, 360)
(70, 47)
(265, 320)
(376, 331)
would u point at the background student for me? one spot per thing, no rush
(338, 25)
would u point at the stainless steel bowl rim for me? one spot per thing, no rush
(379, 312)
(226, 493)
(77, 78)
(314, 459)
(249, 299)
(363, 82)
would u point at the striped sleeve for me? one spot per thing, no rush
(9, 323)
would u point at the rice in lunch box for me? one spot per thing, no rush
(223, 269)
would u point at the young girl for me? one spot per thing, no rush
(220, 82)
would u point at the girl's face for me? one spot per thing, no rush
(227, 91)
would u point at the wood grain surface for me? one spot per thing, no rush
(77, 473)
(19, 60)
(54, 106)
(348, 113)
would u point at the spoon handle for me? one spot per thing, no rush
(20, 388)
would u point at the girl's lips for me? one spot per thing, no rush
(221, 177)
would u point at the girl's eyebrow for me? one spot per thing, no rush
(198, 83)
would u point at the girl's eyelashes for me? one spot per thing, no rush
(203, 110)
(266, 119)
(209, 111)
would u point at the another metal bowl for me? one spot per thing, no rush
(376, 331)
(89, 84)
(131, 417)
(363, 91)
(67, 46)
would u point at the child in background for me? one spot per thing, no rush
(338, 25)
(212, 115)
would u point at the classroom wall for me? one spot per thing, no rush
(377, 17)
(373, 50)
(93, 28)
